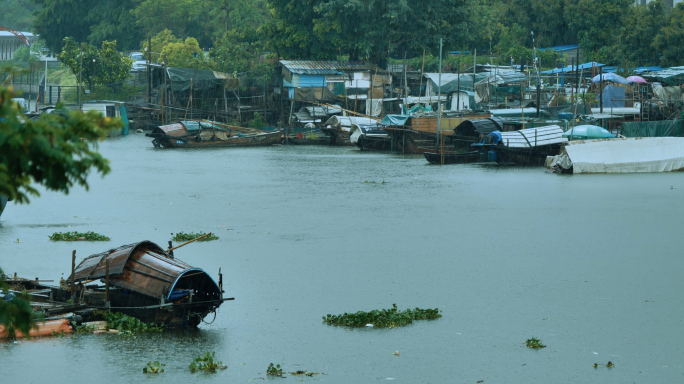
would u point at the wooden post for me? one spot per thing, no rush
(73, 269)
(107, 283)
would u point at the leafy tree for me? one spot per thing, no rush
(58, 19)
(598, 23)
(96, 66)
(111, 20)
(642, 24)
(56, 151)
(291, 31)
(669, 39)
(185, 54)
(186, 18)
(238, 51)
(17, 14)
(86, 21)
(161, 40)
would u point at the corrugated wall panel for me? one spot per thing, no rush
(309, 81)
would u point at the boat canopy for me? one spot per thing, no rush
(144, 268)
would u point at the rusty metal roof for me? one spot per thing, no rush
(174, 130)
(142, 267)
(307, 67)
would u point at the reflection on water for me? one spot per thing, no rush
(589, 264)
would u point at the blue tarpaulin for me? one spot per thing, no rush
(394, 120)
(613, 97)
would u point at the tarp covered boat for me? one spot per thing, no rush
(626, 155)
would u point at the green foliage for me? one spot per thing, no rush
(86, 21)
(206, 363)
(257, 122)
(96, 66)
(274, 370)
(182, 236)
(239, 50)
(78, 236)
(154, 367)
(669, 39)
(586, 98)
(534, 343)
(127, 325)
(384, 318)
(57, 150)
(15, 313)
(185, 54)
(82, 328)
(18, 14)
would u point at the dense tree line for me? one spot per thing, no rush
(612, 31)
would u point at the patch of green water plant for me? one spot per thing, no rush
(383, 318)
(534, 343)
(182, 236)
(154, 367)
(78, 236)
(127, 325)
(274, 370)
(206, 363)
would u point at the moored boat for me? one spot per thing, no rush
(206, 134)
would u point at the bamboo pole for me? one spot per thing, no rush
(107, 283)
(73, 269)
(422, 73)
(188, 242)
(345, 110)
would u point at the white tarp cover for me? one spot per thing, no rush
(639, 154)
(345, 122)
(375, 109)
(533, 137)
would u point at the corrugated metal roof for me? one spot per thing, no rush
(308, 67)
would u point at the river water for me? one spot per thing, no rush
(590, 264)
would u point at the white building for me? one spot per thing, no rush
(9, 43)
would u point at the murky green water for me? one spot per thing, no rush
(590, 264)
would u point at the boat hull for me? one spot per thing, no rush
(257, 140)
(452, 157)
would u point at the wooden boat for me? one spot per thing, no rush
(43, 328)
(140, 280)
(447, 157)
(208, 134)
